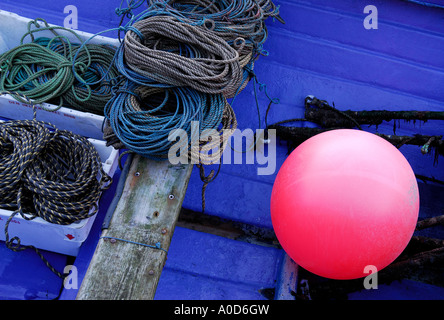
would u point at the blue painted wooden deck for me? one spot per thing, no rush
(322, 50)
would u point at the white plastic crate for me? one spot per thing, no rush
(65, 239)
(12, 28)
(37, 232)
(82, 123)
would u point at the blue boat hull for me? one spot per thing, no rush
(325, 49)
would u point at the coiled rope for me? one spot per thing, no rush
(48, 173)
(45, 70)
(208, 47)
(229, 19)
(197, 54)
(172, 52)
(241, 23)
(142, 118)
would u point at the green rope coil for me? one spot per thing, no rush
(45, 70)
(51, 79)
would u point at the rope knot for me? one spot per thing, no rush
(133, 29)
(239, 44)
(209, 24)
(4, 65)
(262, 86)
(80, 67)
(64, 64)
(249, 69)
(14, 244)
(127, 12)
(264, 52)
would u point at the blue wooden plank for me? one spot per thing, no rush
(90, 19)
(398, 12)
(345, 62)
(24, 276)
(178, 285)
(288, 280)
(205, 266)
(346, 28)
(322, 50)
(400, 290)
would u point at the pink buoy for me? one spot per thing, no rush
(344, 200)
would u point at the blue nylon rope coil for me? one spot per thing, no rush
(144, 127)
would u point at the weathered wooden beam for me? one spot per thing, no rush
(321, 113)
(127, 264)
(287, 282)
(424, 265)
(430, 222)
(298, 135)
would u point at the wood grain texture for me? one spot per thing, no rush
(146, 213)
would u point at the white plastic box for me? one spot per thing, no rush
(12, 28)
(39, 233)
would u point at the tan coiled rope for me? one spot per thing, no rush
(212, 67)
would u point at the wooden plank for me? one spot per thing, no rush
(145, 215)
(287, 281)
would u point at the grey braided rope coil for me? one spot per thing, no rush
(214, 69)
